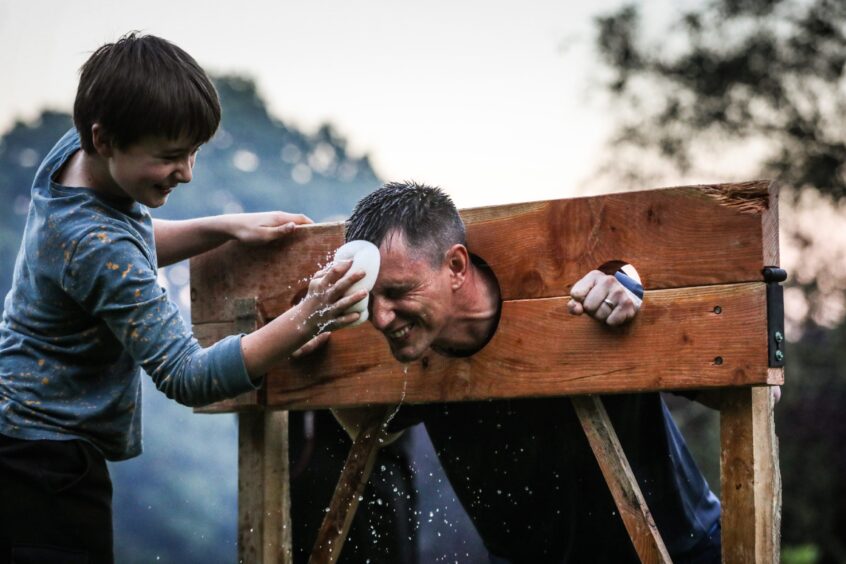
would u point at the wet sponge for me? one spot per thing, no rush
(365, 256)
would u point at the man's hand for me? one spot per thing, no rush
(262, 227)
(602, 297)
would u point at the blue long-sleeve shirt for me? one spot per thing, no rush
(86, 313)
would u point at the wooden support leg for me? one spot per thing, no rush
(750, 477)
(264, 497)
(348, 492)
(620, 479)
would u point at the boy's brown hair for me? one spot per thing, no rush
(144, 85)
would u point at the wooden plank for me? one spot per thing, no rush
(278, 546)
(350, 489)
(677, 341)
(750, 477)
(621, 480)
(264, 497)
(678, 237)
(250, 497)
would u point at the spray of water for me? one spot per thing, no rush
(402, 398)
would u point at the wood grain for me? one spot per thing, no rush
(621, 480)
(264, 498)
(750, 477)
(540, 350)
(696, 248)
(677, 237)
(677, 342)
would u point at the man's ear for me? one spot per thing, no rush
(101, 140)
(458, 262)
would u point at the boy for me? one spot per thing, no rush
(85, 312)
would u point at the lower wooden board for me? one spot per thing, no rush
(703, 337)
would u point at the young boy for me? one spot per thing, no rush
(85, 312)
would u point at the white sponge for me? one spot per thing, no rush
(365, 256)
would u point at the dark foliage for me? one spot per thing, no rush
(812, 433)
(765, 79)
(768, 71)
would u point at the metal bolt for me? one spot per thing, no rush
(718, 360)
(779, 356)
(779, 337)
(718, 309)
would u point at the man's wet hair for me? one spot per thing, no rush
(144, 85)
(425, 215)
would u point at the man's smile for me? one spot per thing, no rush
(399, 334)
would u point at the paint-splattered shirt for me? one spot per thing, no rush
(86, 313)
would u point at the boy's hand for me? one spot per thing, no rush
(312, 346)
(263, 227)
(602, 297)
(325, 303)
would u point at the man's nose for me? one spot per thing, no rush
(381, 312)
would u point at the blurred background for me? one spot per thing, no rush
(496, 102)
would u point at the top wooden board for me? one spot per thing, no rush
(696, 248)
(675, 237)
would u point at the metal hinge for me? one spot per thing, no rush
(776, 342)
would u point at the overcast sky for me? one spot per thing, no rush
(495, 101)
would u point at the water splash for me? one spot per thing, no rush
(402, 398)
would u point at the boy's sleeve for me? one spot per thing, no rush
(113, 280)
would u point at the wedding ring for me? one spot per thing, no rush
(611, 304)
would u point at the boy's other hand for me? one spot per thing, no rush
(263, 227)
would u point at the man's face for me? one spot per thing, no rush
(149, 170)
(411, 301)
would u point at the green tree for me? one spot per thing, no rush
(731, 72)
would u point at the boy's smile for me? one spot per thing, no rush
(149, 170)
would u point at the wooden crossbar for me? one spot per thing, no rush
(700, 251)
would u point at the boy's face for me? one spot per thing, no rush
(149, 170)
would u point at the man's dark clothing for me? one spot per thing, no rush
(528, 479)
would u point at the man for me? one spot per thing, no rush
(522, 468)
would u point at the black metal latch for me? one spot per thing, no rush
(775, 315)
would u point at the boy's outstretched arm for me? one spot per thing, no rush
(321, 310)
(179, 240)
